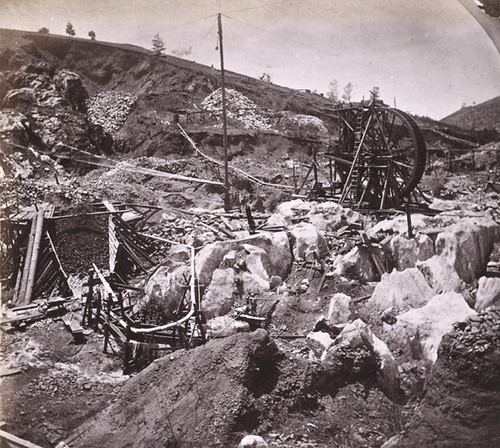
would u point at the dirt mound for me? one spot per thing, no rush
(215, 394)
(189, 398)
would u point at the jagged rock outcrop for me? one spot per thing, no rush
(440, 275)
(404, 289)
(467, 246)
(429, 323)
(72, 89)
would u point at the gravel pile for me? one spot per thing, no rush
(110, 109)
(299, 125)
(239, 108)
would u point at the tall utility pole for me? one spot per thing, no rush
(227, 205)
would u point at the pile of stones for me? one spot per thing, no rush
(110, 109)
(479, 334)
(239, 108)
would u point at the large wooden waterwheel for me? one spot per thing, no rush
(379, 156)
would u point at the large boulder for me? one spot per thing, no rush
(339, 310)
(308, 242)
(357, 263)
(431, 322)
(488, 293)
(72, 88)
(209, 258)
(425, 247)
(440, 275)
(165, 288)
(252, 441)
(330, 216)
(399, 225)
(220, 294)
(278, 250)
(224, 326)
(286, 211)
(467, 245)
(403, 289)
(358, 335)
(257, 261)
(403, 252)
(272, 251)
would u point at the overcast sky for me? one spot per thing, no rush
(431, 55)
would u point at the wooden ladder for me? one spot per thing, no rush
(352, 181)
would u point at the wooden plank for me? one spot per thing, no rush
(22, 318)
(17, 440)
(104, 282)
(73, 326)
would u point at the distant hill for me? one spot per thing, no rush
(480, 116)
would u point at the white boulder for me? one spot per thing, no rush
(432, 321)
(440, 275)
(404, 289)
(339, 309)
(468, 244)
(252, 441)
(224, 326)
(220, 294)
(357, 263)
(308, 242)
(488, 293)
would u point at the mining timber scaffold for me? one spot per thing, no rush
(375, 161)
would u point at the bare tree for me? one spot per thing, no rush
(69, 29)
(158, 44)
(333, 91)
(348, 89)
(375, 93)
(92, 35)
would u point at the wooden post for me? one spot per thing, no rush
(294, 179)
(126, 351)
(98, 311)
(106, 323)
(87, 313)
(408, 220)
(27, 261)
(34, 256)
(120, 302)
(227, 205)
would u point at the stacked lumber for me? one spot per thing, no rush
(40, 270)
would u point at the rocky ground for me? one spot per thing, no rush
(372, 336)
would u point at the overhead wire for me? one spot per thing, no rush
(258, 6)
